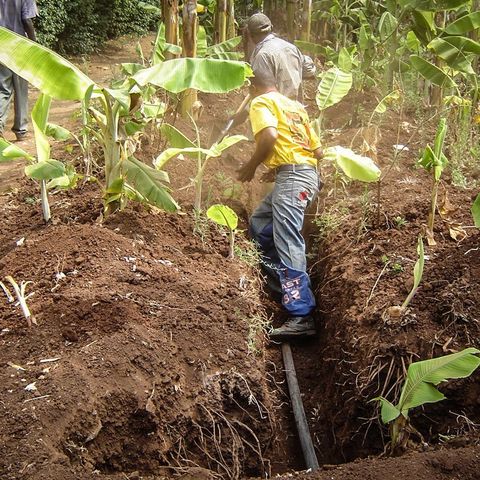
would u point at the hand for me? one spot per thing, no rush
(268, 176)
(246, 172)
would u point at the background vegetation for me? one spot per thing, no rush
(81, 26)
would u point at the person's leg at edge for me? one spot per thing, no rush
(6, 92)
(294, 191)
(261, 230)
(20, 123)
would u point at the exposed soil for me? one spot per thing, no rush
(156, 362)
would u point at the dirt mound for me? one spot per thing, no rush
(143, 357)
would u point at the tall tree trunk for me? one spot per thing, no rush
(306, 20)
(268, 6)
(170, 19)
(291, 9)
(231, 32)
(189, 37)
(221, 21)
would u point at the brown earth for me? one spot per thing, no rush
(159, 363)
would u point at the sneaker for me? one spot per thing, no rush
(294, 328)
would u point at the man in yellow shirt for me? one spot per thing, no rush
(285, 143)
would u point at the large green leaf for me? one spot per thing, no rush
(424, 25)
(454, 50)
(464, 24)
(422, 376)
(312, 48)
(225, 50)
(431, 72)
(433, 5)
(387, 26)
(476, 211)
(9, 152)
(161, 47)
(175, 137)
(335, 84)
(389, 411)
(216, 150)
(223, 215)
(205, 74)
(43, 68)
(150, 184)
(45, 170)
(57, 132)
(40, 113)
(354, 166)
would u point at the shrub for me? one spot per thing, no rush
(81, 26)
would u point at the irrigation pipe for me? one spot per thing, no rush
(298, 410)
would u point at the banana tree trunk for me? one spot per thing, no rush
(190, 27)
(231, 19)
(221, 21)
(306, 20)
(291, 9)
(268, 8)
(170, 19)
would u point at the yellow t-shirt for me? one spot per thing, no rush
(296, 140)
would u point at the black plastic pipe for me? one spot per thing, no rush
(298, 411)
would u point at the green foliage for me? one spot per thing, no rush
(354, 166)
(49, 72)
(422, 377)
(417, 272)
(476, 211)
(223, 215)
(334, 85)
(81, 26)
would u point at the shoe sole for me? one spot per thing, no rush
(292, 336)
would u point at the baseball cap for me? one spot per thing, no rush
(259, 23)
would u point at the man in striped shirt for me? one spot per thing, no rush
(16, 15)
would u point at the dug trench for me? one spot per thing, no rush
(149, 361)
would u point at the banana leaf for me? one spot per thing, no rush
(149, 183)
(223, 215)
(431, 72)
(225, 50)
(433, 5)
(10, 152)
(423, 376)
(353, 166)
(452, 50)
(205, 74)
(43, 68)
(45, 170)
(386, 101)
(387, 26)
(464, 24)
(335, 84)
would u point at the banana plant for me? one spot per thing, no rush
(42, 167)
(435, 161)
(125, 176)
(225, 216)
(186, 147)
(419, 388)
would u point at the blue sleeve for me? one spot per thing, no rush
(29, 9)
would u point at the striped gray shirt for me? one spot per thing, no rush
(13, 12)
(283, 60)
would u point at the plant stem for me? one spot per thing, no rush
(45, 204)
(231, 236)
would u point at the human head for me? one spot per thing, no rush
(262, 84)
(259, 26)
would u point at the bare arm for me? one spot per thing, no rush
(265, 142)
(318, 153)
(29, 29)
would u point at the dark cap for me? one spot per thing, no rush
(259, 23)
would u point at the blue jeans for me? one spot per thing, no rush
(276, 226)
(11, 83)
